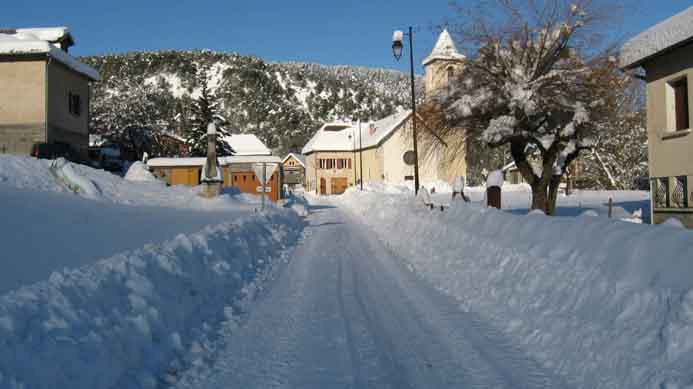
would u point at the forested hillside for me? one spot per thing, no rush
(282, 103)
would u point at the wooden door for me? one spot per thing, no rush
(323, 186)
(185, 176)
(339, 185)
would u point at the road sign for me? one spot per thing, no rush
(268, 189)
(261, 176)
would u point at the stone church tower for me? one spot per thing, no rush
(443, 65)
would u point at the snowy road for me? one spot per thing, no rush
(345, 313)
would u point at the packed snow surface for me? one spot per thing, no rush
(347, 313)
(601, 303)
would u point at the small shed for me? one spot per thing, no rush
(238, 172)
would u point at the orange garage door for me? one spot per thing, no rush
(339, 185)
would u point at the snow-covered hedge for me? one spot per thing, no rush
(604, 303)
(135, 319)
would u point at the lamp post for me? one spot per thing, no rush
(397, 47)
(360, 156)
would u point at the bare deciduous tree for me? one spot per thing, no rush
(537, 83)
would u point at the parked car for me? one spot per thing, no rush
(110, 158)
(53, 151)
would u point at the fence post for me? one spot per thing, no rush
(611, 207)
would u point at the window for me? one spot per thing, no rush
(74, 104)
(679, 97)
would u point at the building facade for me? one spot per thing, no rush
(293, 170)
(45, 92)
(343, 154)
(665, 54)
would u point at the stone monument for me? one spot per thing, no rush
(212, 178)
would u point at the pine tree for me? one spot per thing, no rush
(205, 109)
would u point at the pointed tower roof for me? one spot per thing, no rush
(445, 50)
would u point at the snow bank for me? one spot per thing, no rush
(136, 319)
(139, 172)
(604, 303)
(36, 174)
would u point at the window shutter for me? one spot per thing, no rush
(681, 101)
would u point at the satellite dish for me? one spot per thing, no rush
(409, 158)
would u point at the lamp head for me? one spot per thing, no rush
(397, 44)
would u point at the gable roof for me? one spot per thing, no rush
(300, 158)
(247, 144)
(444, 49)
(32, 41)
(667, 35)
(347, 139)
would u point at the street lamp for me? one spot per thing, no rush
(397, 47)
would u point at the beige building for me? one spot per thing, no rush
(335, 153)
(45, 92)
(293, 170)
(237, 170)
(665, 53)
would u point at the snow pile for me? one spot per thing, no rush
(73, 179)
(139, 172)
(604, 303)
(80, 215)
(139, 318)
(45, 175)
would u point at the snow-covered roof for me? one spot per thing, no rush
(300, 158)
(41, 41)
(666, 35)
(50, 34)
(445, 50)
(247, 144)
(173, 135)
(200, 161)
(344, 136)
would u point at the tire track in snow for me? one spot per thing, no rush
(346, 313)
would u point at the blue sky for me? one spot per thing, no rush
(321, 31)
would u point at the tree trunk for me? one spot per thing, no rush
(553, 194)
(539, 196)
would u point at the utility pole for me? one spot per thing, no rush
(413, 109)
(360, 156)
(397, 47)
